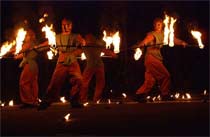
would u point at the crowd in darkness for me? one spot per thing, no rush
(189, 66)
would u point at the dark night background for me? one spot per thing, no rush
(189, 67)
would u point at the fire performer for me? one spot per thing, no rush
(94, 66)
(28, 83)
(67, 65)
(155, 69)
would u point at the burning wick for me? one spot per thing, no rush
(124, 95)
(67, 117)
(153, 98)
(204, 92)
(137, 54)
(11, 103)
(62, 99)
(188, 96)
(197, 35)
(183, 97)
(177, 95)
(102, 53)
(98, 101)
(85, 104)
(159, 98)
(2, 104)
(109, 101)
(83, 57)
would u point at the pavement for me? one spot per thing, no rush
(118, 118)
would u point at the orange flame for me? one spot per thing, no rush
(197, 35)
(6, 48)
(171, 35)
(83, 57)
(19, 40)
(66, 117)
(11, 103)
(124, 95)
(63, 100)
(50, 35)
(112, 39)
(43, 18)
(169, 30)
(137, 54)
(166, 30)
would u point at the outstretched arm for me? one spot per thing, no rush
(180, 42)
(147, 39)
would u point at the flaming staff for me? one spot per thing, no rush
(197, 36)
(113, 39)
(169, 30)
(6, 48)
(50, 35)
(19, 40)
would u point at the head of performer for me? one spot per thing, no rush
(30, 36)
(158, 24)
(66, 26)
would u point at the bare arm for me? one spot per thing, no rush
(179, 42)
(147, 39)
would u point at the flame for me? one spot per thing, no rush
(43, 18)
(169, 30)
(19, 40)
(113, 39)
(177, 95)
(137, 54)
(102, 53)
(153, 98)
(2, 104)
(63, 100)
(11, 103)
(111, 90)
(188, 96)
(50, 35)
(183, 97)
(204, 92)
(148, 97)
(50, 54)
(197, 35)
(166, 30)
(124, 95)
(39, 100)
(116, 42)
(6, 48)
(67, 117)
(83, 57)
(158, 97)
(109, 101)
(85, 104)
(171, 35)
(97, 102)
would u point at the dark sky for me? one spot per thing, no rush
(189, 67)
(132, 18)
